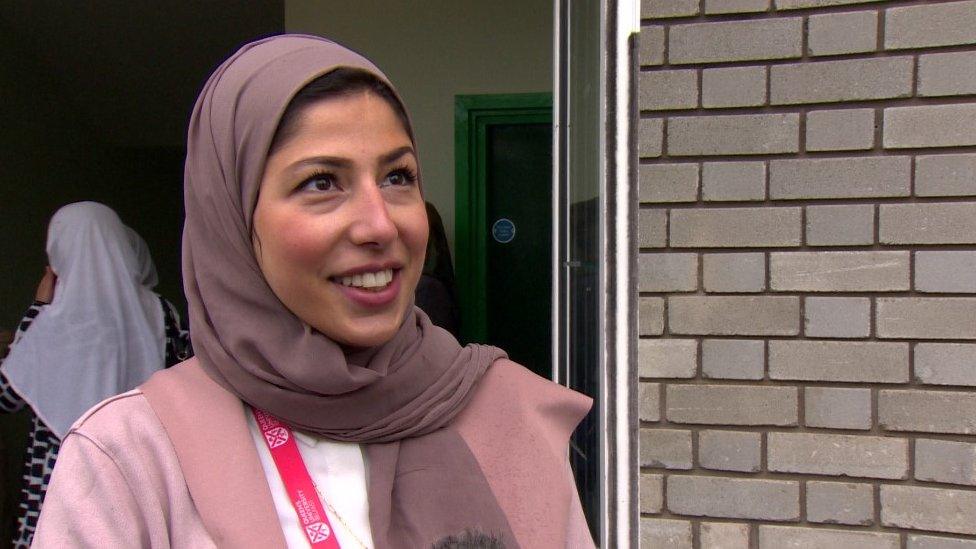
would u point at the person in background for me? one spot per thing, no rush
(436, 291)
(95, 329)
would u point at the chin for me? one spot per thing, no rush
(365, 336)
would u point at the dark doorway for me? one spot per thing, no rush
(504, 224)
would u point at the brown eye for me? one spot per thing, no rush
(319, 183)
(399, 178)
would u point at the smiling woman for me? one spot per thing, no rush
(323, 409)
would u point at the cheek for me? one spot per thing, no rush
(291, 241)
(414, 232)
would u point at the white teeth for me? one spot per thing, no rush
(368, 280)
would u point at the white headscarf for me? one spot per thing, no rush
(103, 332)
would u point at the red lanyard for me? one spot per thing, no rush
(298, 483)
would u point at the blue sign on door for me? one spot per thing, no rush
(503, 231)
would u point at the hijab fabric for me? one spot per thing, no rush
(102, 334)
(244, 337)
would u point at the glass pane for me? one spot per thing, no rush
(579, 319)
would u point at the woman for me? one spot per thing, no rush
(322, 408)
(96, 329)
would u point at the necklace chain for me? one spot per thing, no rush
(338, 516)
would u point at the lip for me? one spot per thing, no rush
(370, 299)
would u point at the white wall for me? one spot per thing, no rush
(434, 50)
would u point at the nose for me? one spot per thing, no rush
(372, 224)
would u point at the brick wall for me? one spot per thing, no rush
(807, 310)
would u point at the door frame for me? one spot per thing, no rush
(473, 115)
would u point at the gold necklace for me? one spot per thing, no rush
(338, 516)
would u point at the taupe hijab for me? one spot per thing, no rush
(245, 338)
(396, 397)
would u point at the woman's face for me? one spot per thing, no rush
(340, 228)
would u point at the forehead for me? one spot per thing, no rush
(358, 119)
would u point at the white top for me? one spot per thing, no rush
(338, 469)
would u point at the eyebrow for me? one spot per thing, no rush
(339, 162)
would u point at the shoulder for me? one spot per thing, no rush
(509, 396)
(117, 423)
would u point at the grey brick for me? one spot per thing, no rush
(736, 227)
(668, 448)
(733, 498)
(734, 272)
(797, 537)
(667, 272)
(927, 411)
(734, 315)
(667, 357)
(839, 271)
(734, 87)
(945, 175)
(930, 24)
(801, 4)
(935, 542)
(733, 181)
(733, 358)
(930, 126)
(651, 45)
(926, 317)
(945, 271)
(843, 80)
(845, 361)
(670, 533)
(932, 223)
(842, 225)
(945, 461)
(945, 364)
(839, 317)
(650, 316)
(735, 6)
(668, 90)
(731, 405)
(724, 535)
(730, 451)
(652, 228)
(937, 509)
(947, 74)
(734, 134)
(836, 408)
(840, 130)
(839, 33)
(736, 41)
(651, 9)
(840, 503)
(651, 490)
(649, 401)
(668, 183)
(650, 137)
(838, 455)
(876, 176)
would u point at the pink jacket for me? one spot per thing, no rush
(124, 480)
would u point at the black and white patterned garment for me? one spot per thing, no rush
(43, 445)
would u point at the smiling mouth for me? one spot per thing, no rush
(372, 282)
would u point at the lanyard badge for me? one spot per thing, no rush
(298, 483)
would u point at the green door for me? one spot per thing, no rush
(504, 224)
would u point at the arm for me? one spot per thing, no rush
(89, 502)
(10, 401)
(178, 346)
